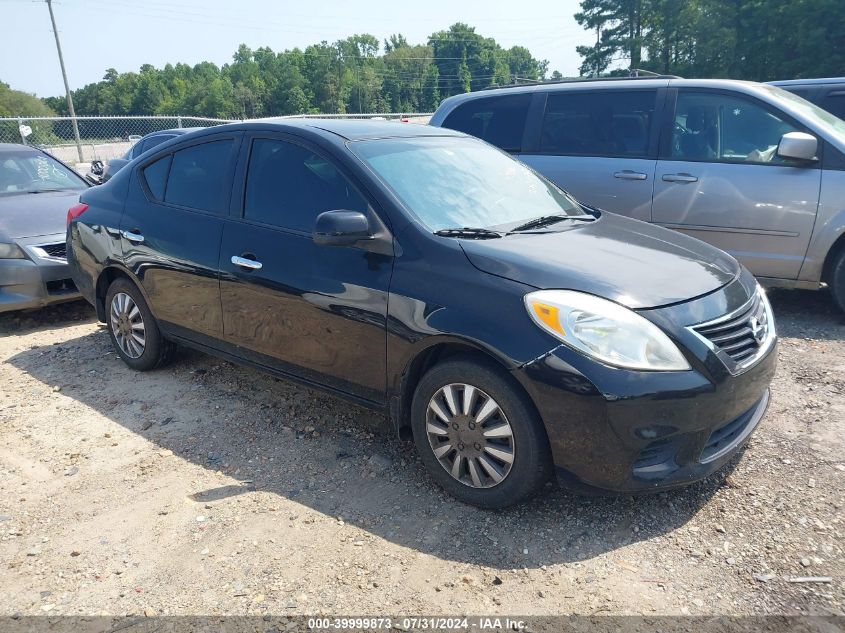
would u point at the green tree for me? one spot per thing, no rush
(350, 75)
(619, 28)
(431, 89)
(742, 39)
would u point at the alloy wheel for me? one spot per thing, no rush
(470, 435)
(127, 325)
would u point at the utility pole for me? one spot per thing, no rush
(67, 87)
(598, 43)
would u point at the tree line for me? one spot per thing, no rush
(357, 74)
(759, 40)
(742, 39)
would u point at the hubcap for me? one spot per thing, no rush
(470, 435)
(127, 325)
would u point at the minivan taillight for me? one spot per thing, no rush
(75, 211)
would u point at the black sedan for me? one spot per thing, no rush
(35, 192)
(511, 331)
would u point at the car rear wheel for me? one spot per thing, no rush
(478, 435)
(133, 329)
(837, 279)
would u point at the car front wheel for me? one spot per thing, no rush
(478, 435)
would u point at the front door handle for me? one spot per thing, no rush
(627, 174)
(682, 178)
(244, 262)
(132, 236)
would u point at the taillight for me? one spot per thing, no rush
(75, 211)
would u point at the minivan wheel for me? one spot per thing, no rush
(478, 435)
(133, 329)
(837, 280)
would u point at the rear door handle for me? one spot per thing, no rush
(132, 236)
(682, 178)
(627, 174)
(244, 262)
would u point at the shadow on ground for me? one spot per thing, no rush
(807, 314)
(336, 459)
(23, 322)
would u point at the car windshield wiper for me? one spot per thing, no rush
(548, 220)
(469, 232)
(47, 190)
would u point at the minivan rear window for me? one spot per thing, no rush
(499, 120)
(599, 123)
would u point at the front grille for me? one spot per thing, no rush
(725, 436)
(56, 251)
(742, 334)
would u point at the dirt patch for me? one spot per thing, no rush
(208, 488)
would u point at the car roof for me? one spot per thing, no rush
(352, 129)
(607, 83)
(808, 82)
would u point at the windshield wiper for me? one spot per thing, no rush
(548, 220)
(47, 190)
(469, 232)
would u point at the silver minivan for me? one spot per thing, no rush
(750, 168)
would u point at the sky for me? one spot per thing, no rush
(124, 34)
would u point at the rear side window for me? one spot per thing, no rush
(834, 102)
(600, 123)
(289, 186)
(198, 177)
(497, 120)
(155, 175)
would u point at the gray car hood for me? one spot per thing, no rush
(34, 214)
(633, 263)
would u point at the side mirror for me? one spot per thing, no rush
(341, 228)
(798, 146)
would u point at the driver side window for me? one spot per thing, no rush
(716, 127)
(288, 186)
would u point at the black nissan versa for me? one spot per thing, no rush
(422, 272)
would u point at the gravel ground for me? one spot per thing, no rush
(207, 488)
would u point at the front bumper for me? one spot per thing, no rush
(618, 430)
(37, 281)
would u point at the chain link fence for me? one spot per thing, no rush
(100, 138)
(104, 138)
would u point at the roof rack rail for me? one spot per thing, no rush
(574, 80)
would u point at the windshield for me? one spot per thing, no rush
(33, 172)
(453, 182)
(831, 123)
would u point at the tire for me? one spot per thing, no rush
(481, 436)
(122, 299)
(837, 279)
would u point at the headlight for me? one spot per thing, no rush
(604, 330)
(11, 251)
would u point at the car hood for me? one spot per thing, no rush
(34, 214)
(633, 263)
